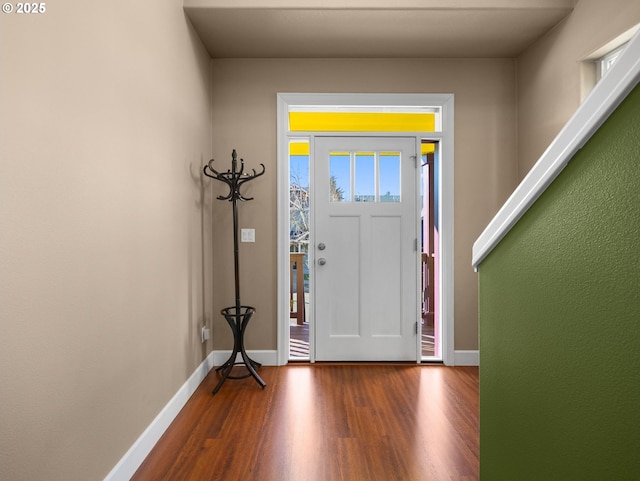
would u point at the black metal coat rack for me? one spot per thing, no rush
(237, 316)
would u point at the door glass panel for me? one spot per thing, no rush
(365, 180)
(299, 195)
(339, 176)
(389, 177)
(299, 205)
(431, 338)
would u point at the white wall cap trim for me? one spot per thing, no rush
(603, 100)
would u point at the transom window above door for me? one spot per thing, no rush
(364, 119)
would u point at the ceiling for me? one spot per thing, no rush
(372, 28)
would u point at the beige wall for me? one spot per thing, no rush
(104, 125)
(244, 118)
(549, 80)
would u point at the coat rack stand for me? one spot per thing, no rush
(237, 316)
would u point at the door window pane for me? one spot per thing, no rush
(339, 177)
(389, 177)
(365, 178)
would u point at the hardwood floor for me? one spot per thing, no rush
(326, 422)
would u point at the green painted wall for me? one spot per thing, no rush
(560, 323)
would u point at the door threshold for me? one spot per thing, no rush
(359, 363)
(299, 362)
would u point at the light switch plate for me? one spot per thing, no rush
(248, 235)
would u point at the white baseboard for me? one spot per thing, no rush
(266, 358)
(466, 358)
(137, 453)
(270, 358)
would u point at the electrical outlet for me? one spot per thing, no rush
(248, 235)
(204, 334)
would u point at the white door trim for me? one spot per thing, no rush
(445, 135)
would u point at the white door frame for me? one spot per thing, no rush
(445, 135)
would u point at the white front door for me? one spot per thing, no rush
(365, 249)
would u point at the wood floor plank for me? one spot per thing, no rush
(326, 422)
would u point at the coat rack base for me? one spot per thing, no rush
(238, 317)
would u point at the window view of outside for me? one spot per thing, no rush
(374, 176)
(299, 203)
(299, 249)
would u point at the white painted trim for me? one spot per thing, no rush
(467, 358)
(137, 453)
(282, 257)
(445, 134)
(447, 243)
(603, 100)
(266, 358)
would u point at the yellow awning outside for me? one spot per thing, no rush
(362, 122)
(298, 148)
(302, 148)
